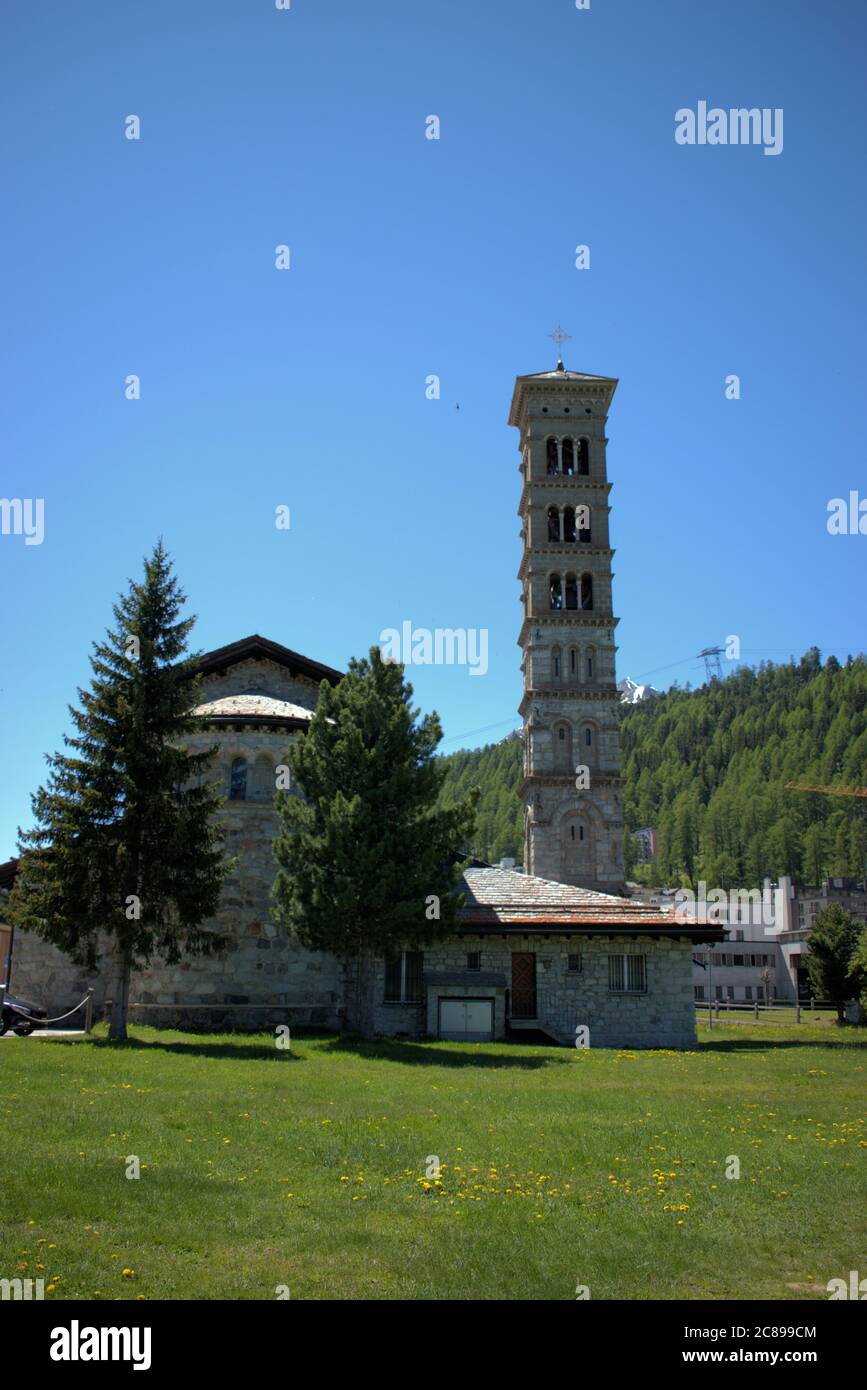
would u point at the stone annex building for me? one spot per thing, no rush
(548, 950)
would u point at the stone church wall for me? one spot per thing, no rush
(261, 675)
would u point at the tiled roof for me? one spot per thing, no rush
(252, 704)
(498, 897)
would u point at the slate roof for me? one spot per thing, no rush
(253, 706)
(504, 900)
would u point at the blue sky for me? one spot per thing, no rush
(411, 257)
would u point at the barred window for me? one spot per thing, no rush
(403, 978)
(627, 974)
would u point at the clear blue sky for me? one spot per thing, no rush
(412, 257)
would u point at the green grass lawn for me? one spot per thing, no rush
(307, 1168)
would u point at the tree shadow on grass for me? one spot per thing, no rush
(420, 1054)
(222, 1050)
(854, 1043)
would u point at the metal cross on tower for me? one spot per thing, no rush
(560, 338)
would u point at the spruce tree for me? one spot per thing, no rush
(832, 941)
(125, 845)
(366, 863)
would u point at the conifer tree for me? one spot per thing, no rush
(833, 940)
(125, 846)
(366, 864)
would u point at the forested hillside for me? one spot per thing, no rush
(496, 771)
(707, 768)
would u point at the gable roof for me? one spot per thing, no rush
(258, 648)
(500, 900)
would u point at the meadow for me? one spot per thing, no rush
(341, 1169)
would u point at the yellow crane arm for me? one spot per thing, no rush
(826, 791)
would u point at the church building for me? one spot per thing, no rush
(553, 950)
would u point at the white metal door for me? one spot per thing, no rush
(468, 1020)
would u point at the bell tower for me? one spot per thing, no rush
(573, 825)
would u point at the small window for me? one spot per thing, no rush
(627, 974)
(588, 737)
(748, 992)
(698, 991)
(574, 965)
(474, 960)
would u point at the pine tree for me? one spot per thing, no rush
(833, 941)
(366, 859)
(125, 844)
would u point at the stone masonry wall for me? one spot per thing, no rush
(664, 1016)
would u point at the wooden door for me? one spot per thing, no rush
(523, 984)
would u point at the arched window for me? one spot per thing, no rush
(571, 591)
(569, 524)
(586, 591)
(582, 449)
(590, 654)
(555, 663)
(556, 591)
(584, 535)
(588, 737)
(568, 457)
(551, 455)
(553, 523)
(563, 748)
(573, 662)
(238, 780)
